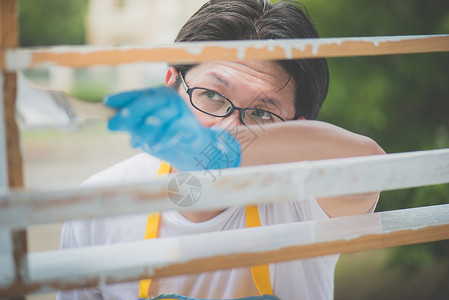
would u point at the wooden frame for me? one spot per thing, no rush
(240, 186)
(9, 38)
(233, 248)
(83, 56)
(25, 273)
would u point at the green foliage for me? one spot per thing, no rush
(401, 101)
(52, 22)
(93, 84)
(92, 91)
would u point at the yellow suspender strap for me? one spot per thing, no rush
(164, 169)
(150, 233)
(261, 273)
(152, 230)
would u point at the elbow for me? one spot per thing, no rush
(372, 148)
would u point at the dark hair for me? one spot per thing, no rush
(219, 20)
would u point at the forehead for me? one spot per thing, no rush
(267, 73)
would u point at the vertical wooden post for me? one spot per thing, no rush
(9, 38)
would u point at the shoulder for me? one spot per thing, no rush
(139, 167)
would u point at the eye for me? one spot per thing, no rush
(261, 114)
(212, 95)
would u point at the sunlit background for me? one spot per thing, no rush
(401, 101)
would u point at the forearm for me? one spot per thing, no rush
(301, 140)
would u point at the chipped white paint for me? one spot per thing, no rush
(99, 264)
(191, 52)
(7, 273)
(233, 187)
(3, 157)
(7, 265)
(3, 153)
(163, 251)
(193, 48)
(13, 57)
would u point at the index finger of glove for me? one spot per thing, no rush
(161, 102)
(122, 99)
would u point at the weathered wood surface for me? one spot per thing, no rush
(9, 133)
(240, 186)
(234, 248)
(82, 56)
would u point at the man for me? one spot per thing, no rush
(278, 101)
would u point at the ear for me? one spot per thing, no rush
(171, 76)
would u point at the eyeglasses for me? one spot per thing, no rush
(215, 104)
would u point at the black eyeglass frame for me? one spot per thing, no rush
(189, 91)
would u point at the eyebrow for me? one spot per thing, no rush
(273, 101)
(220, 79)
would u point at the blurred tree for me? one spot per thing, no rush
(59, 22)
(402, 101)
(52, 22)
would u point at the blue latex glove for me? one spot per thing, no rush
(161, 123)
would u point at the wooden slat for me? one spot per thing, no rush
(8, 39)
(235, 248)
(82, 56)
(7, 273)
(3, 154)
(240, 186)
(14, 155)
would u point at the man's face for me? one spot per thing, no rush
(260, 84)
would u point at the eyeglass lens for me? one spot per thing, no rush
(215, 104)
(210, 102)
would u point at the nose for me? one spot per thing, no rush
(233, 120)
